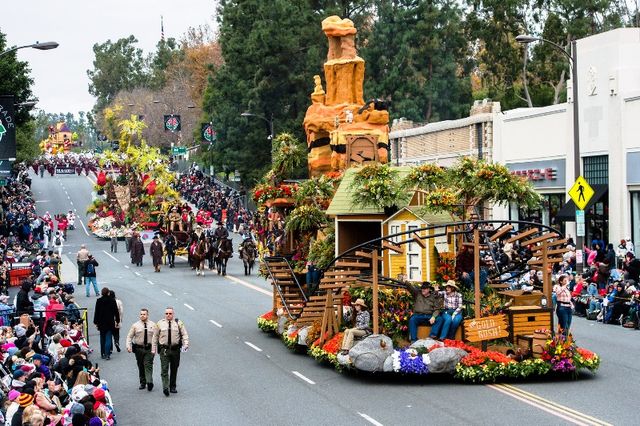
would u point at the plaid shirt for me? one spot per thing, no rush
(453, 301)
(563, 295)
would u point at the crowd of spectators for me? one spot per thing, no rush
(46, 376)
(213, 201)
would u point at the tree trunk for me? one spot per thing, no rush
(557, 88)
(524, 78)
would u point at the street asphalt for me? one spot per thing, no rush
(235, 374)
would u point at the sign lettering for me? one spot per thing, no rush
(487, 328)
(549, 173)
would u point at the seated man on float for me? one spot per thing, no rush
(427, 306)
(452, 313)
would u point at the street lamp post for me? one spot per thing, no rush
(269, 121)
(47, 45)
(573, 60)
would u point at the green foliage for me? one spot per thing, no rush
(322, 252)
(305, 218)
(378, 185)
(27, 148)
(117, 66)
(417, 57)
(288, 155)
(166, 52)
(15, 81)
(317, 190)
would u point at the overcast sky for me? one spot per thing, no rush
(60, 75)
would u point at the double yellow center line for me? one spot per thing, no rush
(553, 408)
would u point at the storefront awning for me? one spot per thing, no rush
(568, 211)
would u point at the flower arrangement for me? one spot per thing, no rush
(584, 358)
(268, 322)
(305, 218)
(290, 339)
(378, 186)
(409, 361)
(327, 353)
(446, 269)
(394, 310)
(559, 352)
(264, 192)
(425, 176)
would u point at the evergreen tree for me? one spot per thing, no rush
(417, 59)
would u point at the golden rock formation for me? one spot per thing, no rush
(341, 130)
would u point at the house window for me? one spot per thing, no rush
(394, 229)
(414, 258)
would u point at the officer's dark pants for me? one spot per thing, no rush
(169, 361)
(144, 359)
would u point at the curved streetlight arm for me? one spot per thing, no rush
(266, 120)
(525, 39)
(48, 45)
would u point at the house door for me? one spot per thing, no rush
(414, 258)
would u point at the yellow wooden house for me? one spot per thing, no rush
(418, 262)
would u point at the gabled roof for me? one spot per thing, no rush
(342, 203)
(427, 217)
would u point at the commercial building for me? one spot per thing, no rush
(538, 142)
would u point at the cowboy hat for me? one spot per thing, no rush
(452, 283)
(360, 302)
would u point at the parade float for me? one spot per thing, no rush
(60, 140)
(133, 186)
(362, 229)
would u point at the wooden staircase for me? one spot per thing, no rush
(287, 294)
(326, 305)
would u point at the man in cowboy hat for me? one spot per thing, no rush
(361, 329)
(157, 252)
(426, 309)
(452, 313)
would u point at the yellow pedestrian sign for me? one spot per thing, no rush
(581, 192)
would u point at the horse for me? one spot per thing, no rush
(199, 255)
(248, 256)
(223, 253)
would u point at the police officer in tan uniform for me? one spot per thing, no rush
(169, 339)
(139, 341)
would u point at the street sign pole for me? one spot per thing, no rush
(581, 193)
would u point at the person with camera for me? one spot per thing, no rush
(139, 340)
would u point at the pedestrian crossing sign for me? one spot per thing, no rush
(581, 192)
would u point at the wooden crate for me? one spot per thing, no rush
(424, 330)
(525, 342)
(525, 320)
(521, 298)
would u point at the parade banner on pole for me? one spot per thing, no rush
(7, 128)
(207, 132)
(172, 123)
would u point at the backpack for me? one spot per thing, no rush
(91, 268)
(57, 241)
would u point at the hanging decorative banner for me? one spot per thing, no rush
(172, 123)
(207, 132)
(7, 128)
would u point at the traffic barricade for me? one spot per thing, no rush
(18, 273)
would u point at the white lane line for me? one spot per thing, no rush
(138, 274)
(217, 324)
(370, 419)
(71, 202)
(538, 406)
(167, 293)
(301, 376)
(150, 282)
(110, 256)
(249, 285)
(189, 306)
(126, 266)
(83, 227)
(90, 180)
(251, 345)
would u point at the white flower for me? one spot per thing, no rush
(425, 359)
(396, 360)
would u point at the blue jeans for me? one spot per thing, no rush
(87, 286)
(449, 325)
(423, 319)
(564, 318)
(469, 282)
(106, 337)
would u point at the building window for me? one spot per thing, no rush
(596, 169)
(635, 220)
(394, 229)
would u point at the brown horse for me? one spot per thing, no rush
(248, 255)
(199, 255)
(223, 253)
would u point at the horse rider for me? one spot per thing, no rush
(246, 238)
(221, 233)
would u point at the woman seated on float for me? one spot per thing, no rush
(452, 313)
(360, 330)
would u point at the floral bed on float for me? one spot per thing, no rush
(390, 352)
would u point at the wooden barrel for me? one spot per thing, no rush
(539, 343)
